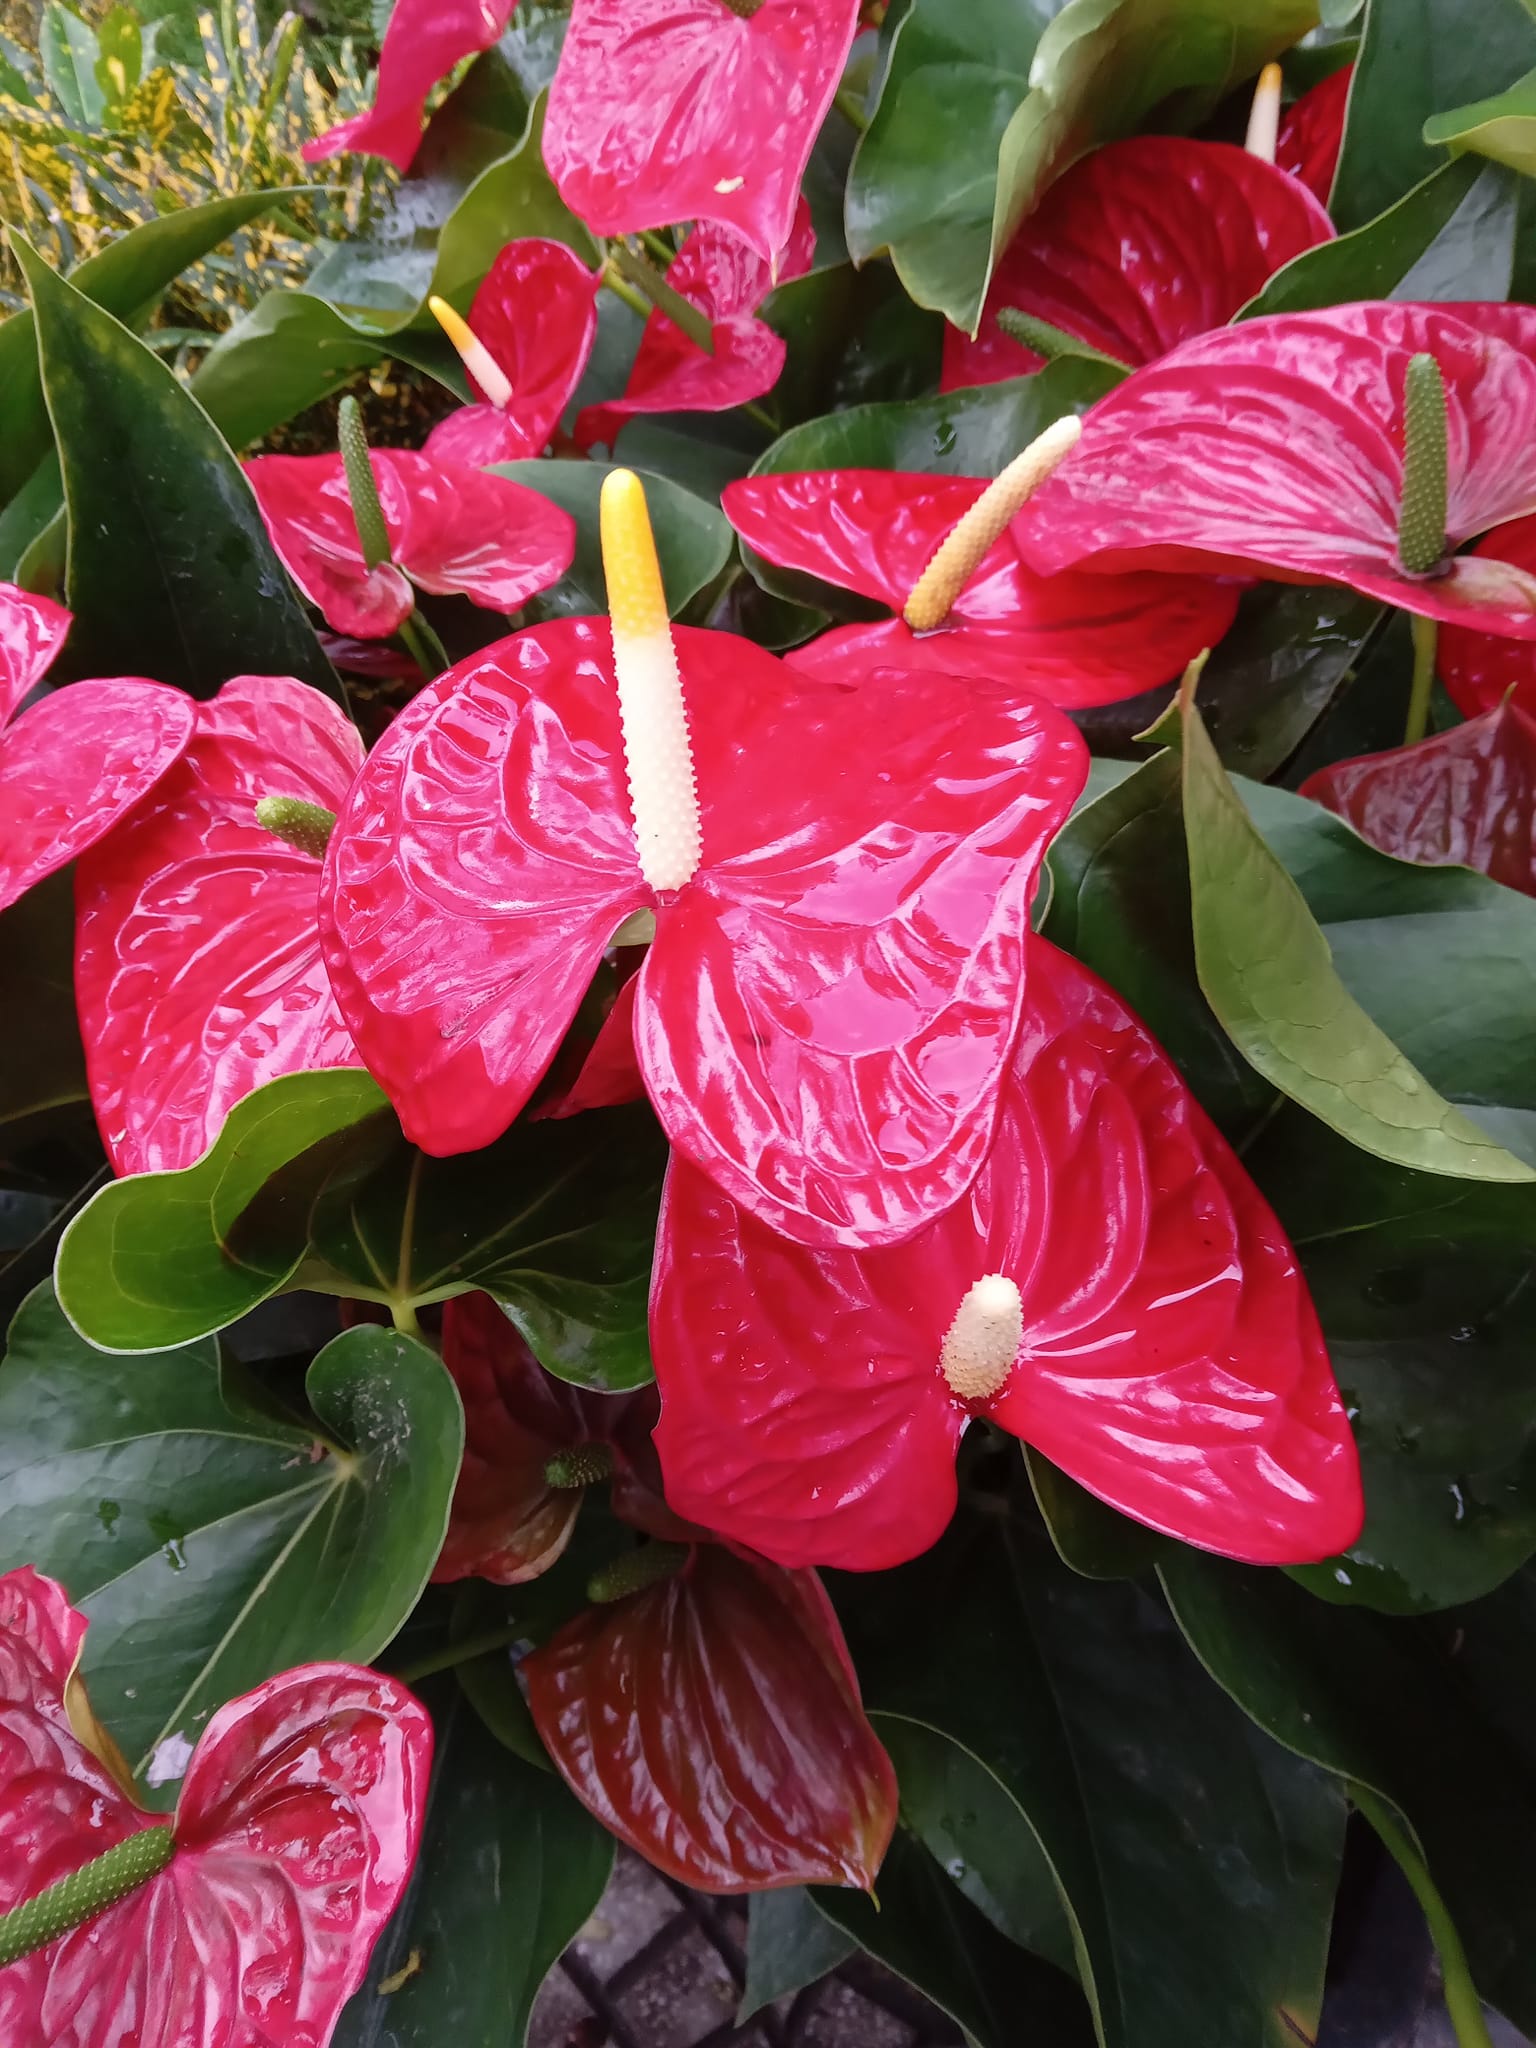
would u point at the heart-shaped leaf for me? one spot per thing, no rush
(789, 1945)
(1502, 127)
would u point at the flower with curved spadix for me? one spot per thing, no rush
(1281, 447)
(1112, 1288)
(81, 758)
(702, 110)
(840, 880)
(1138, 247)
(525, 344)
(425, 39)
(250, 1915)
(1312, 133)
(935, 547)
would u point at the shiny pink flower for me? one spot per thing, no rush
(79, 759)
(1162, 1347)
(453, 530)
(1073, 639)
(1276, 447)
(297, 1825)
(197, 951)
(825, 1015)
(669, 110)
(1481, 669)
(1139, 246)
(1312, 133)
(536, 314)
(423, 42)
(727, 280)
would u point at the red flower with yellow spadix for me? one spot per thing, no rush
(425, 39)
(839, 878)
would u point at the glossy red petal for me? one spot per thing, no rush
(1074, 639)
(669, 110)
(1171, 1359)
(423, 42)
(32, 630)
(1481, 669)
(1464, 798)
(1277, 446)
(537, 314)
(197, 952)
(713, 1723)
(1312, 133)
(303, 500)
(610, 1072)
(482, 863)
(1138, 247)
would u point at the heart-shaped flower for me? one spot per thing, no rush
(1278, 447)
(255, 1910)
(1139, 246)
(1312, 133)
(78, 760)
(453, 530)
(197, 949)
(839, 877)
(424, 40)
(703, 110)
(1112, 1289)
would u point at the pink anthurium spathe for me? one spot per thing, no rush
(1481, 669)
(80, 759)
(727, 280)
(1073, 639)
(839, 878)
(453, 530)
(257, 1907)
(1139, 246)
(525, 344)
(1112, 1289)
(425, 39)
(1312, 133)
(1277, 447)
(703, 110)
(197, 948)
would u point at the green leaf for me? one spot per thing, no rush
(1090, 1537)
(510, 1869)
(693, 537)
(120, 64)
(171, 573)
(789, 1944)
(69, 51)
(210, 1544)
(1503, 127)
(44, 1065)
(1420, 58)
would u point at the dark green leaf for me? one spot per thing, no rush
(789, 1945)
(1095, 1541)
(1279, 668)
(69, 51)
(1503, 127)
(44, 1064)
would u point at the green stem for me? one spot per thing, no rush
(851, 108)
(465, 1651)
(85, 1892)
(404, 1318)
(423, 645)
(1426, 636)
(661, 249)
(362, 486)
(763, 418)
(1462, 2001)
(620, 290)
(648, 280)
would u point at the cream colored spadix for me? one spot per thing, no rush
(657, 757)
(1264, 115)
(473, 354)
(977, 1355)
(960, 553)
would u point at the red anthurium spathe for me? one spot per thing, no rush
(1465, 798)
(1481, 669)
(727, 280)
(1074, 639)
(423, 42)
(293, 1838)
(839, 877)
(706, 110)
(526, 342)
(1278, 447)
(79, 760)
(1112, 1289)
(197, 951)
(1312, 133)
(1139, 246)
(453, 530)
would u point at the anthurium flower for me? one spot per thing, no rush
(250, 1916)
(1312, 133)
(453, 530)
(424, 40)
(1481, 669)
(1466, 798)
(197, 949)
(705, 110)
(839, 880)
(727, 280)
(78, 760)
(1139, 246)
(1074, 639)
(526, 342)
(1278, 447)
(1112, 1289)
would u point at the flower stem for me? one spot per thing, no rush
(362, 485)
(851, 108)
(649, 281)
(464, 1651)
(763, 417)
(1462, 2001)
(405, 1319)
(620, 290)
(85, 1892)
(1426, 637)
(423, 645)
